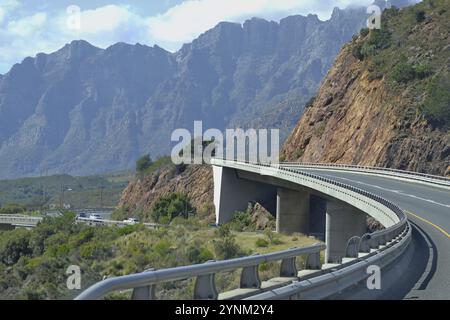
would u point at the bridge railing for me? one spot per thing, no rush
(19, 220)
(384, 206)
(441, 180)
(143, 284)
(107, 222)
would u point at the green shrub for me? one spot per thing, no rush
(199, 255)
(261, 243)
(226, 246)
(420, 16)
(364, 32)
(143, 163)
(162, 247)
(376, 40)
(272, 237)
(12, 208)
(242, 221)
(223, 231)
(128, 229)
(379, 38)
(171, 206)
(436, 107)
(95, 251)
(403, 71)
(14, 245)
(357, 52)
(423, 70)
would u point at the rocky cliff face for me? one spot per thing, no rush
(84, 110)
(196, 182)
(379, 104)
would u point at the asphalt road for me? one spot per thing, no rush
(427, 275)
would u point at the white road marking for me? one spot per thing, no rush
(391, 190)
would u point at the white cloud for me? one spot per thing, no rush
(187, 20)
(104, 19)
(28, 25)
(106, 25)
(7, 6)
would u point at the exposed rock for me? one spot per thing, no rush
(261, 217)
(359, 118)
(373, 225)
(196, 182)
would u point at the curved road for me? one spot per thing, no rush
(428, 272)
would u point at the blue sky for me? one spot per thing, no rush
(33, 26)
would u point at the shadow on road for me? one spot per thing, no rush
(416, 267)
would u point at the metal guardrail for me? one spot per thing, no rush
(393, 239)
(29, 221)
(205, 288)
(19, 220)
(111, 222)
(346, 275)
(423, 177)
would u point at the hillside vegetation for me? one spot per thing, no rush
(412, 51)
(33, 262)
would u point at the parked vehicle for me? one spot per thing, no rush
(81, 215)
(131, 221)
(95, 217)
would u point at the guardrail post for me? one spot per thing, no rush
(351, 251)
(364, 245)
(288, 268)
(313, 261)
(250, 277)
(205, 288)
(374, 242)
(144, 293)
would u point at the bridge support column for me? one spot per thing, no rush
(232, 193)
(342, 222)
(292, 211)
(317, 217)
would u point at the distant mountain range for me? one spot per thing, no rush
(84, 110)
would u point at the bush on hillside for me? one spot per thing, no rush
(436, 107)
(165, 209)
(143, 163)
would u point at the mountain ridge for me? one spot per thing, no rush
(85, 110)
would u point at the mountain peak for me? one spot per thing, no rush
(78, 49)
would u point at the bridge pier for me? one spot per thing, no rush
(232, 193)
(317, 216)
(292, 211)
(342, 222)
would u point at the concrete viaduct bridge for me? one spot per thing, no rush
(334, 200)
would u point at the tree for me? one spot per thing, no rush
(420, 16)
(436, 107)
(171, 206)
(143, 163)
(12, 208)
